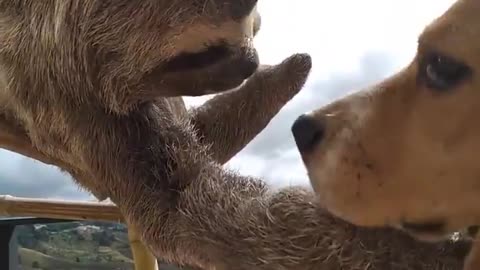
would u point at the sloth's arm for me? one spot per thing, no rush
(229, 121)
(223, 220)
(256, 228)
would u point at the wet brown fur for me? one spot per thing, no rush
(75, 91)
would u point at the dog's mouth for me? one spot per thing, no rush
(435, 227)
(216, 69)
(473, 230)
(435, 230)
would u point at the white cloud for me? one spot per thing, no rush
(352, 43)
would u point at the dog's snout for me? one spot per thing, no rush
(307, 132)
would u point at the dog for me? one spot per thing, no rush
(403, 153)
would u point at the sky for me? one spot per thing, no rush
(352, 43)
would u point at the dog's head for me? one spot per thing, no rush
(149, 47)
(404, 152)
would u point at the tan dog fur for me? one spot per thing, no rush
(403, 152)
(74, 92)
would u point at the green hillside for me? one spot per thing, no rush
(75, 246)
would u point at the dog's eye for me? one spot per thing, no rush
(440, 72)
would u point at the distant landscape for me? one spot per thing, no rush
(76, 246)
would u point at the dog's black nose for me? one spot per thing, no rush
(307, 132)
